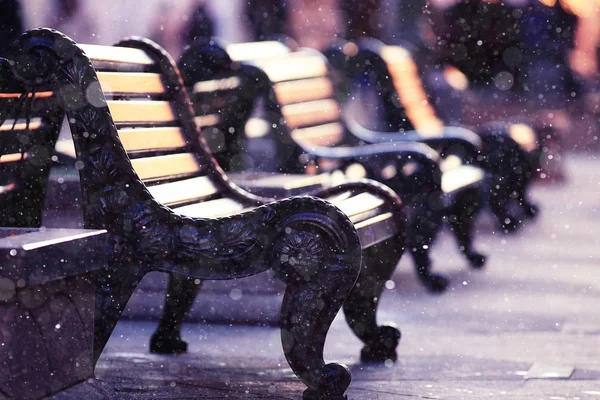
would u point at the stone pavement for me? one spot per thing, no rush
(526, 327)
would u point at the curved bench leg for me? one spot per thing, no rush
(317, 286)
(361, 306)
(499, 203)
(461, 217)
(425, 223)
(180, 296)
(114, 288)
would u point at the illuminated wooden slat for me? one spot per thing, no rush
(248, 51)
(311, 113)
(214, 85)
(146, 139)
(207, 120)
(39, 95)
(321, 135)
(116, 54)
(184, 191)
(211, 209)
(460, 177)
(131, 82)
(12, 157)
(34, 123)
(170, 166)
(412, 94)
(142, 111)
(361, 206)
(292, 67)
(303, 90)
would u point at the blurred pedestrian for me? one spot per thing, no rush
(11, 25)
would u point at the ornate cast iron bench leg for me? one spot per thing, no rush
(167, 338)
(361, 306)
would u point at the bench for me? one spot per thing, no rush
(303, 116)
(167, 206)
(510, 153)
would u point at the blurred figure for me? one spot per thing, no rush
(267, 18)
(200, 26)
(11, 25)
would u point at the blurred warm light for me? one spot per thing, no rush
(456, 79)
(356, 171)
(524, 135)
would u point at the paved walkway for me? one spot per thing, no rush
(526, 327)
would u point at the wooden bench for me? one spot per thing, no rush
(510, 152)
(167, 206)
(303, 116)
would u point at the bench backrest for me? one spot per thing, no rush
(28, 133)
(147, 149)
(304, 95)
(406, 103)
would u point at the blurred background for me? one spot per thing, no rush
(543, 51)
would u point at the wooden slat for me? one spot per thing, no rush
(34, 123)
(253, 50)
(203, 121)
(321, 135)
(461, 177)
(412, 94)
(311, 113)
(377, 229)
(131, 82)
(165, 167)
(116, 54)
(38, 95)
(140, 111)
(184, 191)
(303, 90)
(361, 206)
(147, 139)
(215, 85)
(292, 67)
(211, 209)
(12, 157)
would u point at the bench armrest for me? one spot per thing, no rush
(276, 185)
(448, 136)
(358, 154)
